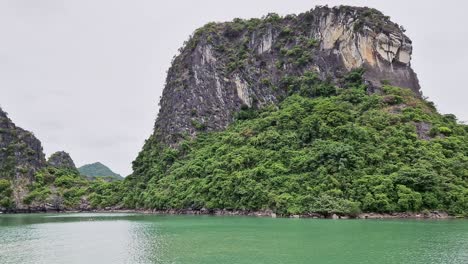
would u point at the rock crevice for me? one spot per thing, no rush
(225, 66)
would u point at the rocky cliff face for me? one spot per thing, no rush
(61, 160)
(246, 63)
(21, 155)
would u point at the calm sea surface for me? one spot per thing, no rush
(134, 238)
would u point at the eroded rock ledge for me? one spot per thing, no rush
(244, 63)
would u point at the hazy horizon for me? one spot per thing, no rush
(86, 76)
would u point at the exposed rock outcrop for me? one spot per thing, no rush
(21, 156)
(61, 160)
(245, 63)
(21, 153)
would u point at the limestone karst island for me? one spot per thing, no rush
(261, 121)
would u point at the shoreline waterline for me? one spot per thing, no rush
(266, 213)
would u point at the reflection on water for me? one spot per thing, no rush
(79, 238)
(134, 238)
(147, 244)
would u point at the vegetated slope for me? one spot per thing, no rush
(297, 115)
(225, 66)
(324, 149)
(97, 170)
(61, 160)
(20, 157)
(29, 183)
(57, 186)
(319, 126)
(62, 188)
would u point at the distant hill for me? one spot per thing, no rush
(98, 170)
(301, 114)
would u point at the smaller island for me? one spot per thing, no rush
(99, 170)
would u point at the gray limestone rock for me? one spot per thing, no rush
(21, 156)
(226, 66)
(62, 160)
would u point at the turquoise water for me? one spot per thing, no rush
(134, 238)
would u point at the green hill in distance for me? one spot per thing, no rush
(261, 116)
(98, 169)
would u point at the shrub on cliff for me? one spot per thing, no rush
(337, 150)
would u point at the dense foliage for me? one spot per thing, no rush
(6, 192)
(323, 149)
(65, 189)
(98, 170)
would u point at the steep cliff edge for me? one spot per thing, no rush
(318, 113)
(246, 63)
(298, 115)
(21, 156)
(29, 183)
(62, 160)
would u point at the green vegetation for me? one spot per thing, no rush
(7, 168)
(329, 147)
(325, 149)
(198, 125)
(5, 194)
(98, 169)
(301, 52)
(66, 189)
(372, 18)
(233, 40)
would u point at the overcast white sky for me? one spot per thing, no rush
(86, 75)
